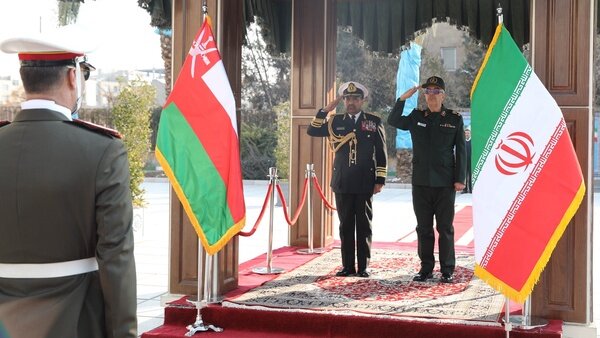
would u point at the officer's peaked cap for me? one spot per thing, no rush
(353, 88)
(434, 81)
(60, 47)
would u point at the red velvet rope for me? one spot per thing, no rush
(300, 206)
(262, 212)
(329, 206)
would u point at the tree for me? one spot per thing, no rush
(68, 11)
(160, 17)
(131, 112)
(376, 71)
(265, 95)
(465, 75)
(282, 149)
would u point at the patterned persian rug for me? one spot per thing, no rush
(389, 291)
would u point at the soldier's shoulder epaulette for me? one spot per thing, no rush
(96, 128)
(374, 114)
(4, 123)
(454, 112)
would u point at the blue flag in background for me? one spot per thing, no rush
(407, 77)
(3, 333)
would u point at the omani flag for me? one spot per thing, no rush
(198, 147)
(527, 180)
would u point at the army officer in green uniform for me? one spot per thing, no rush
(439, 169)
(66, 242)
(359, 170)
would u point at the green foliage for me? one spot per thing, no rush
(459, 82)
(68, 12)
(257, 146)
(265, 94)
(131, 114)
(377, 72)
(282, 150)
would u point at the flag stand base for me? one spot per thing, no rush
(521, 322)
(307, 251)
(268, 271)
(214, 300)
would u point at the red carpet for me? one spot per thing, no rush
(250, 323)
(262, 324)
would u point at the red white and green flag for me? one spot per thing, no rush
(198, 145)
(527, 179)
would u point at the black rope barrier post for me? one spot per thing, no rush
(309, 174)
(269, 269)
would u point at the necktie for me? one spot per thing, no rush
(353, 119)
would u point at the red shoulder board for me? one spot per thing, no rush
(4, 123)
(97, 128)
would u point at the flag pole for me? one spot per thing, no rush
(499, 14)
(199, 325)
(507, 323)
(526, 321)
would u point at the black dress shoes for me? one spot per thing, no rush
(447, 278)
(422, 276)
(345, 272)
(363, 273)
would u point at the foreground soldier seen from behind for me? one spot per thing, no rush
(66, 245)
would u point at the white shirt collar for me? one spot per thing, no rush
(47, 104)
(357, 115)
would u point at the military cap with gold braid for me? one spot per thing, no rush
(353, 88)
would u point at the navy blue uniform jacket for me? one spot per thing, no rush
(360, 155)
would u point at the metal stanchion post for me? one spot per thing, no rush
(310, 172)
(267, 270)
(526, 322)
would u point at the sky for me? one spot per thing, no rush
(126, 41)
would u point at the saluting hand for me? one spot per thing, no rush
(331, 106)
(410, 92)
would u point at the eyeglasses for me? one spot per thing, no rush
(86, 73)
(433, 91)
(85, 70)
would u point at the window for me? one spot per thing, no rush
(449, 58)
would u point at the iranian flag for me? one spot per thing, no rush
(527, 180)
(198, 145)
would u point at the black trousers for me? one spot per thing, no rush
(438, 202)
(355, 212)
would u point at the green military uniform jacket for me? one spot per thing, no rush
(360, 154)
(439, 155)
(64, 195)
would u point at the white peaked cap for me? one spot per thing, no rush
(72, 39)
(351, 87)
